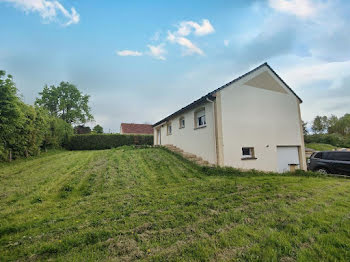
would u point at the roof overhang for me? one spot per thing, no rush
(212, 95)
(202, 100)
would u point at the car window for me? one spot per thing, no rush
(329, 156)
(318, 155)
(341, 156)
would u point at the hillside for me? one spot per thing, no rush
(149, 204)
(320, 147)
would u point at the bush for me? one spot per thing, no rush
(106, 141)
(331, 139)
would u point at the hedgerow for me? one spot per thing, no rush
(106, 141)
(331, 139)
(25, 130)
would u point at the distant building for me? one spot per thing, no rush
(136, 129)
(80, 130)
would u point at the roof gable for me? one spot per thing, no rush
(211, 95)
(264, 80)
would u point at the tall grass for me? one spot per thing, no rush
(126, 204)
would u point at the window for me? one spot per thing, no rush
(318, 155)
(339, 156)
(182, 122)
(200, 118)
(248, 152)
(169, 129)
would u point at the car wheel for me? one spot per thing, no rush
(322, 170)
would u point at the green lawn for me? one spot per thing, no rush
(320, 147)
(126, 204)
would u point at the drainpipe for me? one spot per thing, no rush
(214, 127)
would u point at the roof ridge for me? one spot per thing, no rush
(210, 94)
(135, 124)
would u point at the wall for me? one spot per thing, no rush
(260, 117)
(200, 141)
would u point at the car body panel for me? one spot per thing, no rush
(335, 162)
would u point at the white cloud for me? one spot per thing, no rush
(185, 28)
(226, 42)
(299, 8)
(305, 73)
(47, 9)
(128, 53)
(190, 48)
(157, 51)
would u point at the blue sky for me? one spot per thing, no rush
(142, 60)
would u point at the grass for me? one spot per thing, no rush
(149, 204)
(320, 146)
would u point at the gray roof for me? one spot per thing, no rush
(211, 94)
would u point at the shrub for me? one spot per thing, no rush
(331, 139)
(106, 141)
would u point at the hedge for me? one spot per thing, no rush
(331, 139)
(106, 141)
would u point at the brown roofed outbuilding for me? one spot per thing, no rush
(139, 129)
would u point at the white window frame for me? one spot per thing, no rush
(182, 122)
(169, 127)
(200, 113)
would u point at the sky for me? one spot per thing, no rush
(142, 60)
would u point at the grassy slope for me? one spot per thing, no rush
(125, 204)
(320, 147)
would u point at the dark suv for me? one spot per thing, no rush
(334, 162)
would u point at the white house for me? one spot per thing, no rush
(252, 122)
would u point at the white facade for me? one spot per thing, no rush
(199, 141)
(256, 115)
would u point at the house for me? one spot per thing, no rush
(252, 122)
(136, 129)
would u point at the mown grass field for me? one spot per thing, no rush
(149, 204)
(320, 147)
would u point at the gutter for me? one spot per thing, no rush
(214, 127)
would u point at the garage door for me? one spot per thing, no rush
(286, 157)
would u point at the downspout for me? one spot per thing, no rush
(214, 127)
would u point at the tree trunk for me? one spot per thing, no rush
(10, 155)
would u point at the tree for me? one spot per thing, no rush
(317, 125)
(320, 124)
(332, 122)
(305, 131)
(66, 102)
(325, 123)
(26, 129)
(58, 133)
(11, 117)
(98, 129)
(343, 125)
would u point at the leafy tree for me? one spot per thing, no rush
(25, 129)
(343, 125)
(305, 131)
(318, 125)
(332, 122)
(98, 129)
(11, 117)
(66, 102)
(58, 133)
(325, 123)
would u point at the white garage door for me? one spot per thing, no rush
(287, 155)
